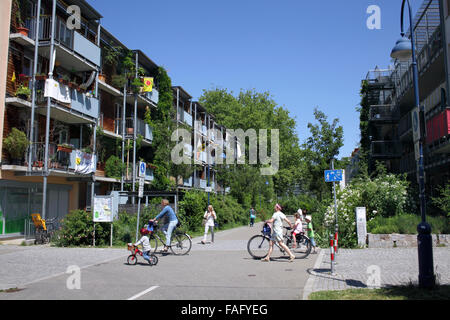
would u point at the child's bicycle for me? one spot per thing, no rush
(135, 251)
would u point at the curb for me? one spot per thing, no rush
(310, 283)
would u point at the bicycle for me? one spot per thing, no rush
(258, 245)
(135, 251)
(180, 244)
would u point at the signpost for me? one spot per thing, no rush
(334, 176)
(140, 195)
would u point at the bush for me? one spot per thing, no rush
(407, 224)
(77, 229)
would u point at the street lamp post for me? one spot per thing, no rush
(403, 50)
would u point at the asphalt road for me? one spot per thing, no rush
(220, 271)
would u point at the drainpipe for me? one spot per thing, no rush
(134, 129)
(124, 107)
(94, 147)
(33, 98)
(47, 124)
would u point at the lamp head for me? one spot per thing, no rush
(402, 50)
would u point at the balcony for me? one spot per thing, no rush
(384, 114)
(68, 105)
(386, 149)
(63, 160)
(187, 118)
(142, 129)
(188, 182)
(73, 50)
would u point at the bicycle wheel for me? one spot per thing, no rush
(303, 248)
(258, 246)
(132, 260)
(153, 260)
(153, 244)
(181, 244)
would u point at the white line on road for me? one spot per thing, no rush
(142, 293)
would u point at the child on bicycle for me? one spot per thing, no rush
(145, 241)
(298, 228)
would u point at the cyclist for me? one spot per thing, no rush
(168, 227)
(145, 241)
(277, 234)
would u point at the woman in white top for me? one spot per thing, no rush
(210, 217)
(277, 233)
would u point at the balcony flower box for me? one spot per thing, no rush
(102, 77)
(24, 31)
(65, 148)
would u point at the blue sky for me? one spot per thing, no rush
(307, 54)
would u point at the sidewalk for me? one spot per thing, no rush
(356, 268)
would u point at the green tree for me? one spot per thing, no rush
(323, 145)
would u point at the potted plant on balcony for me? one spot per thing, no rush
(136, 85)
(23, 92)
(19, 10)
(118, 81)
(16, 143)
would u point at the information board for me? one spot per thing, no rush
(103, 209)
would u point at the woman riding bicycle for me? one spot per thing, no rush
(168, 227)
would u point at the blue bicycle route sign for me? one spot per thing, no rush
(333, 175)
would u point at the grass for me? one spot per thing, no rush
(409, 292)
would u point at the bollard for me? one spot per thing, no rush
(332, 254)
(336, 243)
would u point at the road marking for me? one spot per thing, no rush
(142, 293)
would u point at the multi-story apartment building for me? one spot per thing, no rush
(63, 93)
(391, 98)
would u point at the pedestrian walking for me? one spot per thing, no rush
(277, 233)
(252, 216)
(310, 230)
(209, 218)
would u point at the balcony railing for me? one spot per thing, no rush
(64, 36)
(384, 113)
(403, 74)
(63, 159)
(68, 97)
(386, 149)
(142, 128)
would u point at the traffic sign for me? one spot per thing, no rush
(141, 188)
(142, 169)
(333, 175)
(415, 124)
